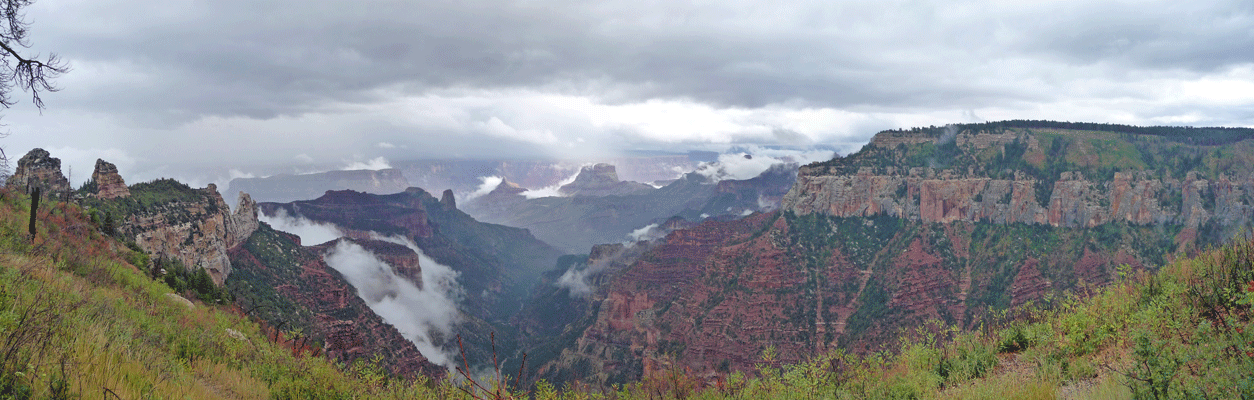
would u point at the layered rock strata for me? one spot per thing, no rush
(38, 169)
(1074, 200)
(109, 183)
(198, 233)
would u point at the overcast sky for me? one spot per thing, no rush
(163, 87)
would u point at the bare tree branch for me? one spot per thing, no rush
(26, 72)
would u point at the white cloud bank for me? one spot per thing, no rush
(423, 315)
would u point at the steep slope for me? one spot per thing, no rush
(495, 265)
(169, 219)
(293, 289)
(857, 255)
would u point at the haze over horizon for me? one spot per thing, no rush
(194, 89)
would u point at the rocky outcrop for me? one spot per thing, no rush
(38, 169)
(243, 221)
(109, 184)
(173, 220)
(198, 231)
(602, 180)
(447, 200)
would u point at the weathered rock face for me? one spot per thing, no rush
(768, 188)
(602, 180)
(109, 184)
(199, 232)
(243, 221)
(447, 200)
(358, 213)
(1141, 195)
(38, 169)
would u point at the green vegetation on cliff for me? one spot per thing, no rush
(1044, 149)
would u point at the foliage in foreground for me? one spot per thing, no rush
(78, 320)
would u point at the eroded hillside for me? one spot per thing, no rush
(933, 224)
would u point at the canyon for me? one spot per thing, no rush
(952, 224)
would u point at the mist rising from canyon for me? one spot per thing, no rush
(424, 313)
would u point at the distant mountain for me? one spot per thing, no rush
(287, 187)
(466, 175)
(598, 208)
(462, 176)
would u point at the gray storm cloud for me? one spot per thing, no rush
(183, 86)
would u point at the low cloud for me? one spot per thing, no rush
(486, 185)
(374, 164)
(754, 161)
(311, 233)
(648, 232)
(423, 315)
(578, 279)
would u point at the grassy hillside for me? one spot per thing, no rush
(78, 319)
